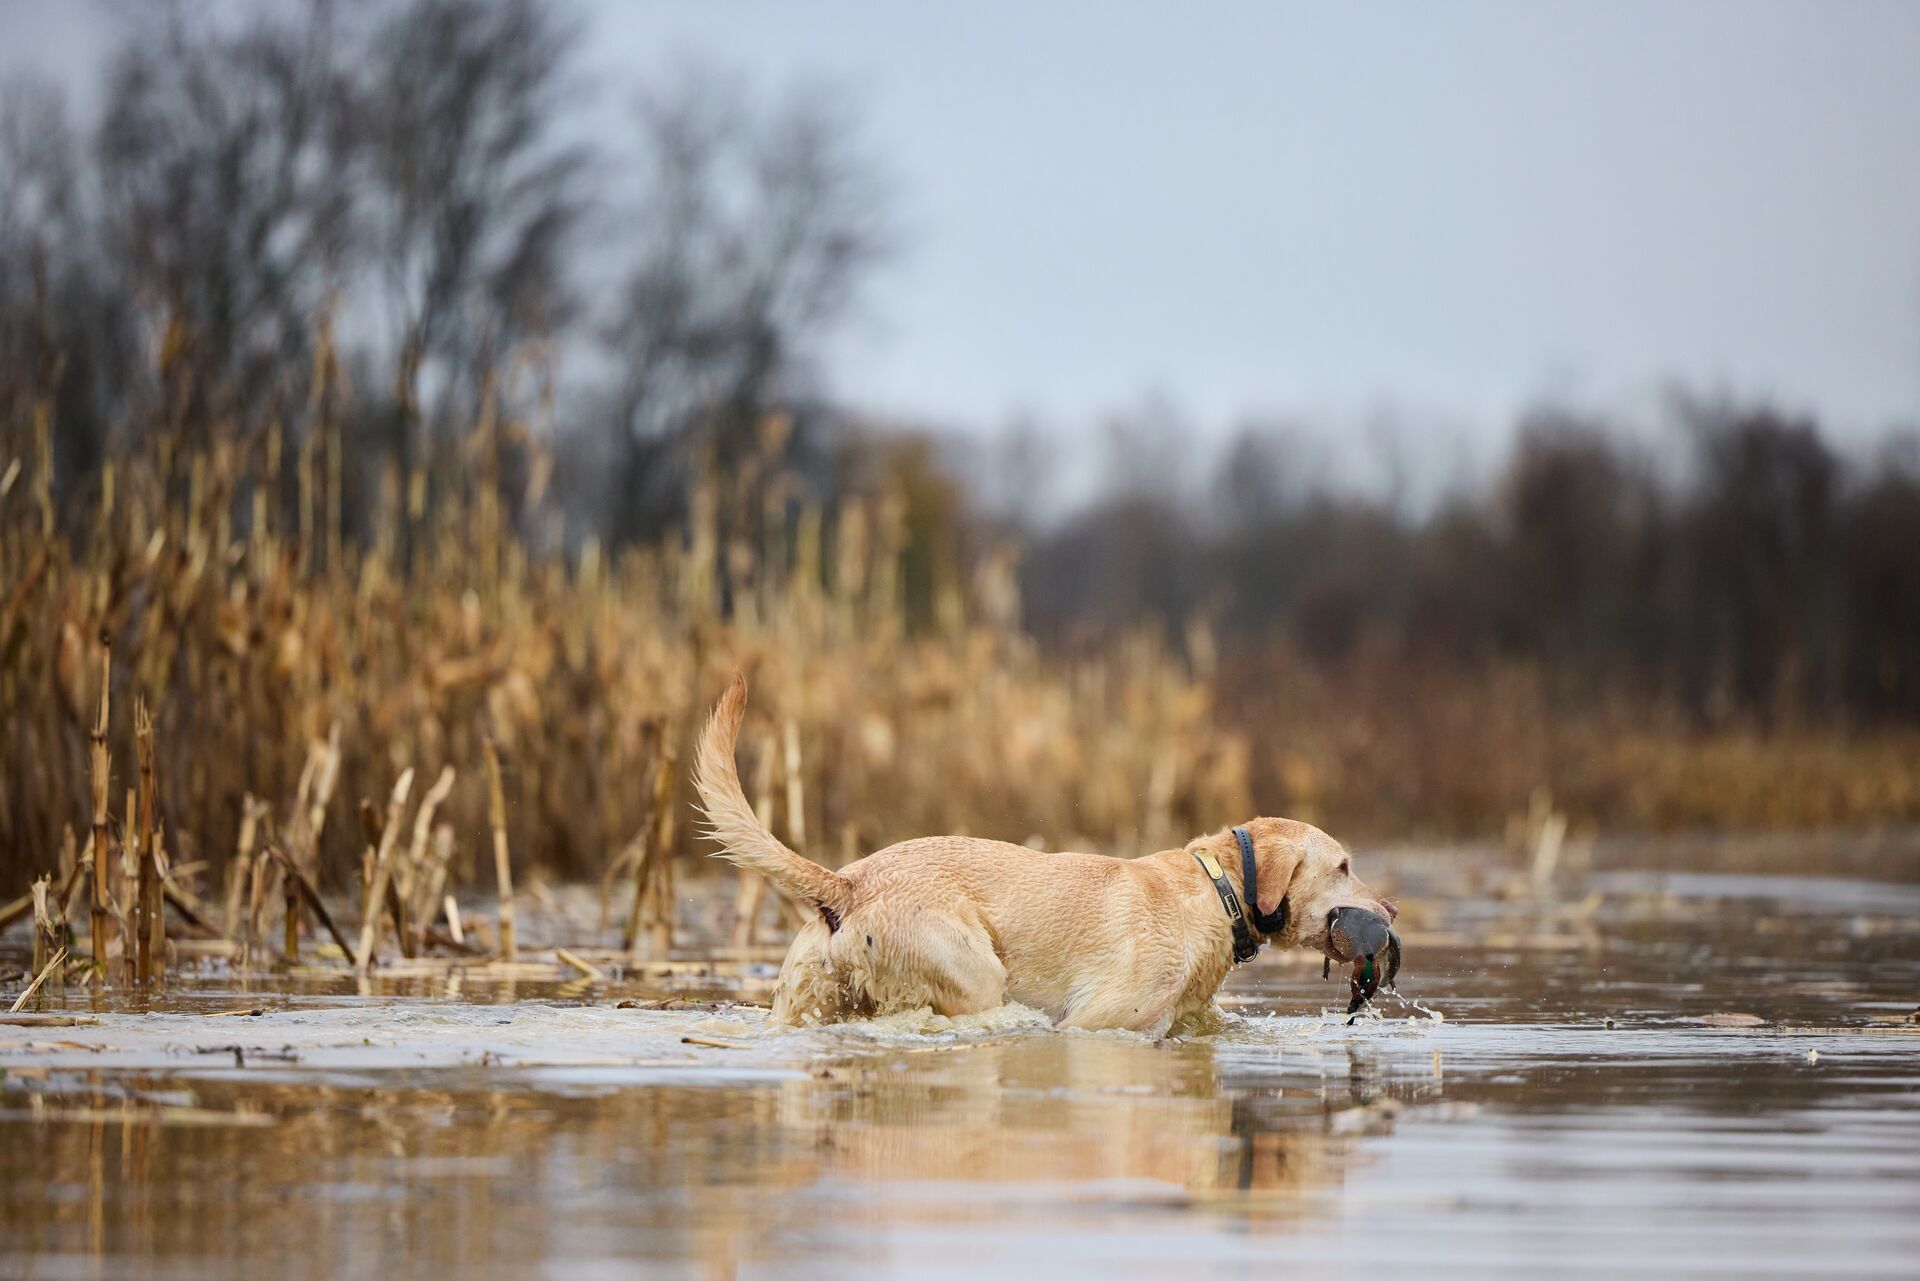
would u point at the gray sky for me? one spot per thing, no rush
(1320, 209)
(1324, 211)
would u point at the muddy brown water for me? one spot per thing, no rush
(1651, 1070)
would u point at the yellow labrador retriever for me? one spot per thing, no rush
(964, 925)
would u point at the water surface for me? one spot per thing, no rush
(1644, 1070)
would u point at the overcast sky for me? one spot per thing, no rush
(1452, 210)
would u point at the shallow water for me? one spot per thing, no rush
(1650, 1071)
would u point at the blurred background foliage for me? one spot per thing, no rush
(342, 381)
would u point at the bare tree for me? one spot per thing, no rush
(225, 162)
(754, 232)
(1761, 536)
(473, 194)
(64, 340)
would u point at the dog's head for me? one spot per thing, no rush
(1307, 868)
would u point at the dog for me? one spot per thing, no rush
(964, 925)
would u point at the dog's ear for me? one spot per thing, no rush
(1279, 860)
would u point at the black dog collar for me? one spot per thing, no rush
(1250, 881)
(1245, 945)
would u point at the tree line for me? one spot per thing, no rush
(1755, 573)
(392, 221)
(398, 214)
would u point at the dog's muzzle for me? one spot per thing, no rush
(1361, 937)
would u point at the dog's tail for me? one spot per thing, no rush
(743, 838)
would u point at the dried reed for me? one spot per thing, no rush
(287, 664)
(20, 1002)
(385, 833)
(502, 865)
(150, 919)
(98, 758)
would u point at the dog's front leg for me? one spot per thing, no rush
(1150, 1014)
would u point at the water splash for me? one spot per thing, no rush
(1409, 1002)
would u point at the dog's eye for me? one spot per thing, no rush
(1346, 868)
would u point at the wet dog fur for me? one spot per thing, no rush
(964, 925)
